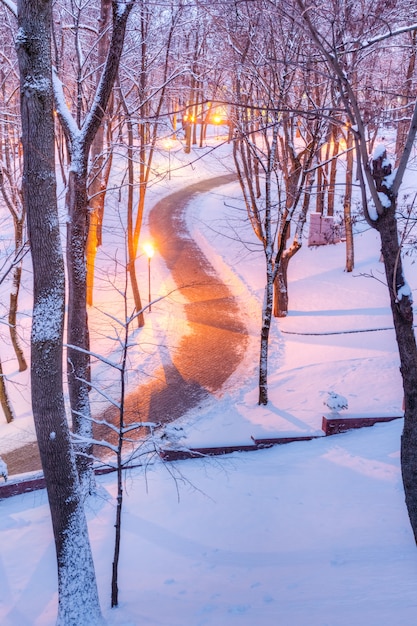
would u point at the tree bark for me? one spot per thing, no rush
(77, 592)
(132, 242)
(347, 202)
(265, 331)
(402, 313)
(281, 288)
(335, 132)
(281, 280)
(78, 368)
(5, 403)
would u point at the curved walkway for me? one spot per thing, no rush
(205, 358)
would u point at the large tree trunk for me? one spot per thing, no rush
(78, 369)
(402, 313)
(77, 592)
(281, 288)
(281, 281)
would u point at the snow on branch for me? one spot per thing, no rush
(136, 425)
(94, 442)
(99, 422)
(100, 357)
(64, 114)
(95, 115)
(12, 6)
(389, 33)
(103, 394)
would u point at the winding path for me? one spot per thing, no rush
(207, 356)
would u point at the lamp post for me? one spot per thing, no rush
(217, 121)
(149, 251)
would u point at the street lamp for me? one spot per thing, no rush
(149, 251)
(217, 120)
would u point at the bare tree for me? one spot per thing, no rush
(101, 159)
(77, 591)
(273, 171)
(406, 99)
(377, 177)
(10, 177)
(79, 134)
(143, 94)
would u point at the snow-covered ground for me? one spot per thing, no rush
(308, 534)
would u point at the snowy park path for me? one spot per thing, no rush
(214, 343)
(216, 336)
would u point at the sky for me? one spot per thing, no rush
(312, 533)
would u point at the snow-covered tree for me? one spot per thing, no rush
(77, 591)
(270, 108)
(379, 180)
(80, 130)
(10, 181)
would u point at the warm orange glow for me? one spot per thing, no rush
(342, 145)
(219, 115)
(149, 249)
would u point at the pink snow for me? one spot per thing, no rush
(310, 533)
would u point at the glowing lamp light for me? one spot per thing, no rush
(149, 249)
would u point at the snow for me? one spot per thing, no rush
(311, 533)
(3, 469)
(383, 198)
(404, 292)
(47, 316)
(121, 9)
(380, 151)
(62, 106)
(77, 558)
(335, 402)
(12, 6)
(41, 85)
